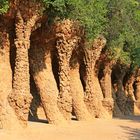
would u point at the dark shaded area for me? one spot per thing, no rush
(39, 121)
(135, 87)
(12, 54)
(36, 101)
(132, 118)
(82, 74)
(55, 66)
(134, 133)
(37, 52)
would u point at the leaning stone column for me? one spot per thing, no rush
(79, 106)
(94, 96)
(106, 85)
(20, 98)
(66, 41)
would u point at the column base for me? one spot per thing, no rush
(108, 104)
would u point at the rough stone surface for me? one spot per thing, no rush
(20, 97)
(8, 119)
(108, 104)
(138, 88)
(41, 68)
(80, 109)
(93, 93)
(66, 40)
(106, 85)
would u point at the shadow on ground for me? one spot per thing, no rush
(130, 118)
(134, 133)
(39, 121)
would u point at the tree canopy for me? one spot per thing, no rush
(3, 6)
(118, 20)
(123, 30)
(90, 14)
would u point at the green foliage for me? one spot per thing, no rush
(4, 5)
(123, 30)
(92, 16)
(90, 13)
(119, 20)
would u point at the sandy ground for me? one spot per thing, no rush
(99, 129)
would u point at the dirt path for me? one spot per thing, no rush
(115, 129)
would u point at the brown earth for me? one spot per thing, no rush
(100, 129)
